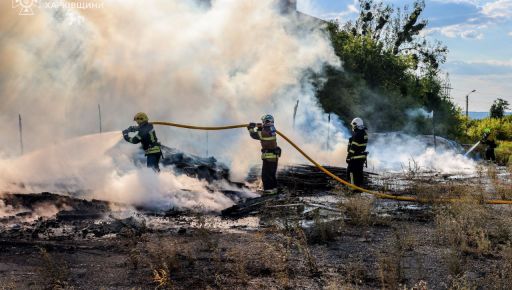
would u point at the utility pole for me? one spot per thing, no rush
(295, 112)
(434, 130)
(328, 130)
(21, 134)
(99, 113)
(447, 86)
(467, 102)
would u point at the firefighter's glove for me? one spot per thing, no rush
(278, 151)
(133, 129)
(251, 126)
(125, 136)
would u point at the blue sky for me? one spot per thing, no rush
(478, 34)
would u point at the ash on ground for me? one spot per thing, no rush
(315, 234)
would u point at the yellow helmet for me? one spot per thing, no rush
(140, 118)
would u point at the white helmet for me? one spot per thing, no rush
(266, 119)
(357, 123)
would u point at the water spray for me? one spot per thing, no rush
(472, 148)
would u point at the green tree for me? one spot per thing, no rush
(388, 69)
(498, 108)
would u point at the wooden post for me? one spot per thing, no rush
(21, 134)
(207, 144)
(295, 112)
(99, 113)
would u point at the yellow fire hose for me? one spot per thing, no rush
(377, 194)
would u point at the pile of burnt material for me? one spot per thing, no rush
(204, 168)
(67, 207)
(198, 167)
(307, 177)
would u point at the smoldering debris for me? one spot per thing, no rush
(308, 178)
(110, 169)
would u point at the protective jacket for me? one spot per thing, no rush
(267, 136)
(146, 136)
(357, 144)
(489, 140)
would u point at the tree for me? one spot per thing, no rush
(389, 69)
(498, 108)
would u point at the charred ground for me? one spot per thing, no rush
(314, 236)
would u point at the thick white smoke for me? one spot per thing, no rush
(102, 166)
(182, 61)
(176, 60)
(398, 152)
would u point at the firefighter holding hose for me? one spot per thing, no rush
(145, 134)
(489, 139)
(356, 156)
(270, 152)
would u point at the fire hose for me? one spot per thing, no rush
(375, 193)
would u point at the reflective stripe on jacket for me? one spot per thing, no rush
(147, 137)
(268, 139)
(357, 144)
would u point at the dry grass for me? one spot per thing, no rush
(500, 276)
(53, 273)
(412, 169)
(263, 255)
(390, 260)
(9, 286)
(492, 173)
(355, 272)
(162, 278)
(503, 190)
(358, 210)
(455, 261)
(461, 282)
(464, 225)
(390, 270)
(430, 192)
(324, 231)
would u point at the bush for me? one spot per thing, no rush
(504, 153)
(501, 127)
(502, 130)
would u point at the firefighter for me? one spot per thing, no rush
(489, 139)
(270, 152)
(356, 156)
(147, 137)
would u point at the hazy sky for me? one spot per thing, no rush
(478, 34)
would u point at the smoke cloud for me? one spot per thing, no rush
(183, 61)
(190, 62)
(398, 152)
(104, 169)
(176, 60)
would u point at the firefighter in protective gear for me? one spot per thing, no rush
(489, 139)
(356, 156)
(270, 152)
(145, 134)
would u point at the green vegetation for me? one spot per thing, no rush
(502, 130)
(389, 73)
(391, 79)
(498, 108)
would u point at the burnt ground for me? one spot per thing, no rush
(307, 239)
